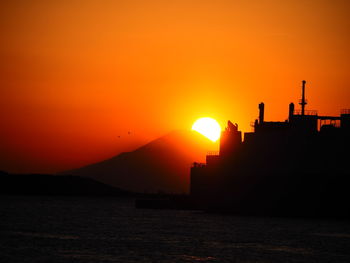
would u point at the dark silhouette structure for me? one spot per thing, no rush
(295, 167)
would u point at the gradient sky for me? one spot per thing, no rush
(75, 75)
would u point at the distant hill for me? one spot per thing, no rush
(161, 165)
(42, 184)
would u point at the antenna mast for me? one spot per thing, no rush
(303, 101)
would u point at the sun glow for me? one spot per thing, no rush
(208, 127)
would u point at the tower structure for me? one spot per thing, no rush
(303, 101)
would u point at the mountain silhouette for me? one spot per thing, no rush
(163, 165)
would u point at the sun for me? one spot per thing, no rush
(208, 127)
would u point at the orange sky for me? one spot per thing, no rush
(75, 75)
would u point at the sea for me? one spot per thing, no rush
(95, 229)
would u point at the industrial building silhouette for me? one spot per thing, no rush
(299, 166)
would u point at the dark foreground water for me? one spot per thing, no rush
(75, 229)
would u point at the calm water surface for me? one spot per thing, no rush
(76, 229)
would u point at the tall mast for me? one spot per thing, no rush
(303, 101)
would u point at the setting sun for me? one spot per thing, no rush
(208, 127)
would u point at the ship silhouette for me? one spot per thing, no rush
(297, 167)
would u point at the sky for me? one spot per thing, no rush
(81, 81)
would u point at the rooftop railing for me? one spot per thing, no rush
(334, 124)
(345, 111)
(213, 153)
(306, 112)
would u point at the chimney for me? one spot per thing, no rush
(261, 112)
(291, 110)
